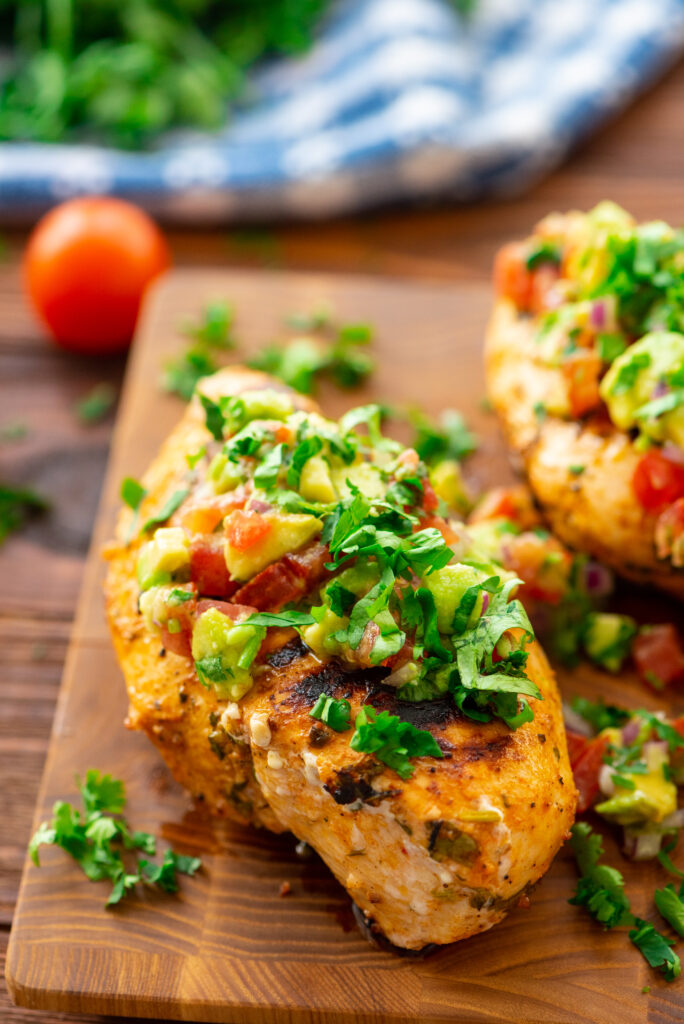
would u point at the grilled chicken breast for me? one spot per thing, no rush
(595, 511)
(432, 855)
(584, 361)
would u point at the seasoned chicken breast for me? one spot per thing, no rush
(587, 397)
(437, 807)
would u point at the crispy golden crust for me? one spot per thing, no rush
(411, 852)
(595, 511)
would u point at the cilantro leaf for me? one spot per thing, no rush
(656, 949)
(16, 505)
(102, 793)
(165, 875)
(304, 451)
(392, 740)
(182, 375)
(334, 713)
(598, 714)
(173, 502)
(214, 328)
(132, 493)
(214, 417)
(447, 438)
(671, 907)
(600, 889)
(281, 619)
(96, 404)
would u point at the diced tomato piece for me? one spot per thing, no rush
(206, 515)
(208, 569)
(658, 481)
(273, 587)
(669, 533)
(286, 580)
(514, 503)
(437, 523)
(577, 744)
(430, 499)
(236, 612)
(245, 530)
(658, 655)
(581, 370)
(586, 772)
(512, 279)
(179, 643)
(542, 563)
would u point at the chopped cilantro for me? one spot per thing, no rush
(193, 459)
(173, 502)
(599, 715)
(302, 361)
(656, 949)
(447, 438)
(181, 375)
(17, 504)
(214, 416)
(610, 346)
(671, 907)
(627, 374)
(282, 619)
(543, 251)
(659, 406)
(96, 404)
(132, 493)
(539, 410)
(576, 470)
(98, 838)
(317, 320)
(304, 451)
(334, 713)
(600, 889)
(391, 740)
(215, 326)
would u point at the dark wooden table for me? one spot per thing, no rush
(638, 162)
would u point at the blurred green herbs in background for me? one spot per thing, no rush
(125, 71)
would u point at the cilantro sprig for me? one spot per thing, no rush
(102, 843)
(392, 740)
(301, 362)
(601, 891)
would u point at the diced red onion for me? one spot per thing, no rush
(485, 601)
(642, 845)
(598, 314)
(605, 780)
(598, 580)
(575, 722)
(630, 731)
(255, 505)
(403, 675)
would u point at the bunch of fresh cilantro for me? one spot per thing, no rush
(102, 843)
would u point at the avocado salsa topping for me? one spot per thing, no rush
(608, 298)
(290, 520)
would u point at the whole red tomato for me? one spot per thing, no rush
(86, 267)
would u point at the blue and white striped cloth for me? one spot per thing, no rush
(399, 101)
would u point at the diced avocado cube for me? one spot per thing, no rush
(315, 483)
(223, 475)
(608, 638)
(447, 481)
(319, 637)
(654, 796)
(266, 404)
(288, 532)
(223, 653)
(447, 586)
(164, 557)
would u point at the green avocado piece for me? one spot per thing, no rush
(631, 387)
(608, 638)
(447, 586)
(163, 558)
(223, 652)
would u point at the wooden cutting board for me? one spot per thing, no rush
(229, 947)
